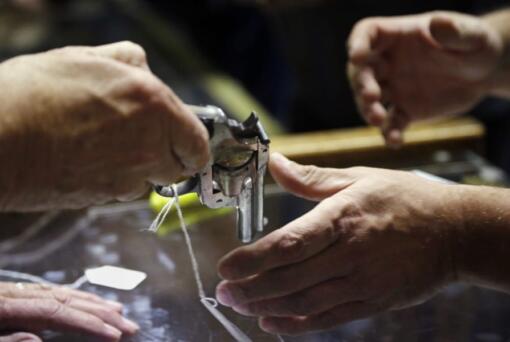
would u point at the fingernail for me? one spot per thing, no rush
(242, 309)
(267, 326)
(116, 305)
(224, 295)
(131, 326)
(112, 332)
(394, 139)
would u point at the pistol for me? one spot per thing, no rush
(234, 174)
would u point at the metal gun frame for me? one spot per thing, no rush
(234, 175)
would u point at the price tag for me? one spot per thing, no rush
(115, 277)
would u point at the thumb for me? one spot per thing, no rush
(458, 32)
(308, 181)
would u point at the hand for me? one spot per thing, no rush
(32, 307)
(378, 240)
(416, 67)
(83, 125)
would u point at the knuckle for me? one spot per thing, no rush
(137, 52)
(63, 298)
(364, 23)
(291, 247)
(133, 47)
(310, 174)
(51, 308)
(440, 13)
(143, 84)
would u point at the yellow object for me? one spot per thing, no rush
(194, 212)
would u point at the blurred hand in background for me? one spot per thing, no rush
(409, 68)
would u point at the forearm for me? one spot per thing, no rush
(482, 243)
(500, 82)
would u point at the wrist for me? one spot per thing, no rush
(459, 240)
(482, 236)
(452, 221)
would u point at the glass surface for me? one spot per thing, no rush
(166, 305)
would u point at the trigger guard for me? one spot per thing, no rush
(182, 188)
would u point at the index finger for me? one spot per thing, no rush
(361, 40)
(295, 242)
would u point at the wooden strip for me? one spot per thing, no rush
(359, 140)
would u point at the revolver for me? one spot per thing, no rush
(234, 174)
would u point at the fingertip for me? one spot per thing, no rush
(457, 32)
(190, 138)
(129, 326)
(224, 295)
(267, 325)
(376, 114)
(111, 333)
(281, 167)
(394, 139)
(356, 55)
(369, 88)
(358, 51)
(278, 158)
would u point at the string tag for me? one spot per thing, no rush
(210, 303)
(115, 277)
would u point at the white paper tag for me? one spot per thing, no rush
(115, 277)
